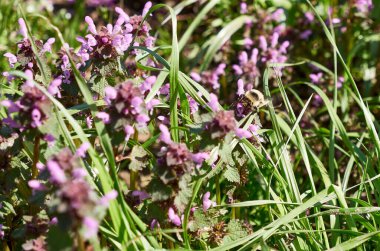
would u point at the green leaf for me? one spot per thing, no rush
(232, 174)
(139, 158)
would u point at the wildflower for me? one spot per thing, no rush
(89, 121)
(243, 8)
(240, 85)
(210, 78)
(242, 133)
(153, 224)
(50, 139)
(11, 58)
(81, 151)
(48, 44)
(207, 203)
(316, 78)
(53, 88)
(129, 131)
(128, 105)
(222, 124)
(214, 103)
(199, 158)
(165, 134)
(105, 117)
(105, 200)
(36, 185)
(174, 218)
(57, 175)
(91, 226)
(1, 231)
(147, 7)
(23, 29)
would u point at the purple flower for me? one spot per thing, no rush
(91, 25)
(240, 85)
(36, 118)
(105, 200)
(49, 139)
(129, 131)
(81, 151)
(36, 185)
(57, 175)
(316, 78)
(147, 7)
(91, 227)
(1, 231)
(214, 103)
(199, 158)
(195, 76)
(165, 134)
(122, 14)
(154, 223)
(110, 94)
(207, 203)
(48, 44)
(363, 6)
(148, 83)
(89, 121)
(105, 117)
(23, 29)
(174, 218)
(243, 8)
(306, 34)
(29, 78)
(11, 58)
(53, 88)
(242, 133)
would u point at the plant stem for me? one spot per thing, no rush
(132, 177)
(217, 188)
(36, 153)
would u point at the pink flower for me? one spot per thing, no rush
(151, 104)
(165, 134)
(36, 185)
(129, 131)
(36, 118)
(142, 119)
(195, 76)
(122, 14)
(91, 227)
(53, 88)
(23, 29)
(48, 44)
(148, 83)
(154, 223)
(12, 59)
(207, 203)
(174, 218)
(49, 139)
(81, 151)
(316, 78)
(147, 7)
(110, 94)
(242, 133)
(29, 78)
(89, 121)
(91, 25)
(214, 103)
(240, 85)
(105, 117)
(105, 200)
(56, 173)
(243, 8)
(199, 158)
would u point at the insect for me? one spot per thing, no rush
(252, 100)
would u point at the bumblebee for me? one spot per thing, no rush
(252, 100)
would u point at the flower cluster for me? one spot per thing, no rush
(125, 106)
(72, 194)
(30, 111)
